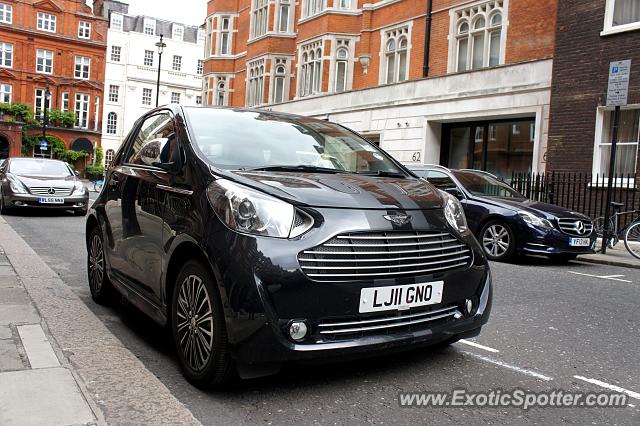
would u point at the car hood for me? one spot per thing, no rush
(59, 181)
(544, 210)
(344, 190)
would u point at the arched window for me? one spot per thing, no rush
(463, 45)
(221, 95)
(108, 157)
(495, 39)
(279, 84)
(255, 90)
(311, 69)
(112, 123)
(479, 33)
(342, 56)
(396, 55)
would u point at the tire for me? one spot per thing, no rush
(632, 239)
(3, 208)
(198, 324)
(498, 241)
(562, 258)
(102, 291)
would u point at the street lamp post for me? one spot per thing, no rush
(160, 45)
(45, 115)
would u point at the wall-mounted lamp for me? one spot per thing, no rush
(365, 60)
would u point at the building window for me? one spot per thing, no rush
(82, 110)
(280, 81)
(622, 15)
(112, 123)
(177, 32)
(224, 35)
(396, 47)
(44, 61)
(627, 146)
(82, 69)
(149, 26)
(198, 100)
(284, 13)
(344, 4)
(65, 102)
(46, 22)
(200, 68)
(177, 63)
(175, 97)
(148, 58)
(479, 35)
(6, 55)
(255, 94)
(6, 13)
(108, 157)
(201, 35)
(312, 7)
(116, 53)
(5, 93)
(42, 101)
(114, 92)
(310, 79)
(84, 29)
(341, 69)
(116, 22)
(146, 96)
(259, 17)
(221, 91)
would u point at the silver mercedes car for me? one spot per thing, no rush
(42, 183)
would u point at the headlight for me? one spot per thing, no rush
(454, 213)
(253, 212)
(16, 186)
(534, 220)
(79, 188)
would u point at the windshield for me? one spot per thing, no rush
(251, 139)
(484, 185)
(34, 167)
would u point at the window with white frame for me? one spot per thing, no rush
(6, 55)
(5, 93)
(114, 93)
(208, 44)
(310, 70)
(200, 67)
(627, 144)
(224, 35)
(284, 16)
(175, 97)
(176, 64)
(201, 35)
(146, 96)
(255, 92)
(479, 34)
(82, 68)
(198, 100)
(622, 15)
(149, 27)
(47, 22)
(64, 107)
(84, 29)
(344, 4)
(6, 13)
(396, 54)
(280, 81)
(116, 21)
(42, 101)
(108, 157)
(148, 58)
(82, 110)
(177, 32)
(259, 17)
(116, 53)
(221, 91)
(312, 7)
(341, 66)
(44, 61)
(112, 123)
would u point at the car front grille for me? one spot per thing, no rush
(574, 226)
(371, 255)
(46, 191)
(386, 323)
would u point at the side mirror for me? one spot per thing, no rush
(77, 173)
(455, 192)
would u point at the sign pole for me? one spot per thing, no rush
(612, 166)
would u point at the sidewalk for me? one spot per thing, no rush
(617, 256)
(59, 364)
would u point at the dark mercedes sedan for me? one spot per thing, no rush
(41, 183)
(507, 223)
(261, 237)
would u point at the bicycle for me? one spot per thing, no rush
(629, 233)
(98, 184)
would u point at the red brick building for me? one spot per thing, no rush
(59, 45)
(458, 82)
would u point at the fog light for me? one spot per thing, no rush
(468, 306)
(298, 330)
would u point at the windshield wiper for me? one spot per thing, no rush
(298, 168)
(383, 173)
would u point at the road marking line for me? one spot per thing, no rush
(510, 367)
(478, 345)
(602, 277)
(627, 392)
(37, 347)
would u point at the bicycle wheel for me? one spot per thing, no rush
(632, 239)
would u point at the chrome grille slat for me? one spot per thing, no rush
(392, 237)
(396, 318)
(567, 225)
(393, 259)
(418, 243)
(44, 190)
(382, 252)
(386, 274)
(409, 265)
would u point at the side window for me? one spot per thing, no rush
(421, 173)
(153, 141)
(440, 180)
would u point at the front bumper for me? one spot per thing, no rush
(550, 241)
(76, 202)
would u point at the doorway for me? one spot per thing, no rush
(4, 148)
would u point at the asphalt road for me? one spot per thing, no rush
(571, 327)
